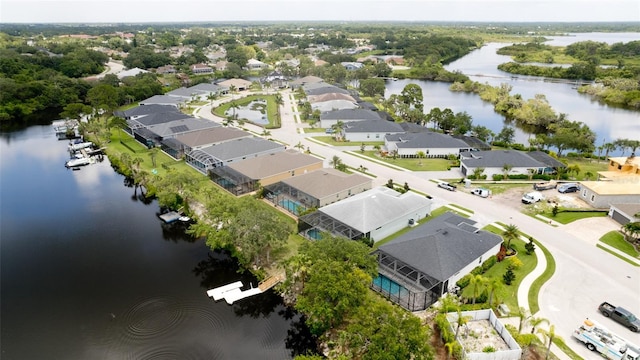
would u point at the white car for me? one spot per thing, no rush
(532, 197)
(481, 192)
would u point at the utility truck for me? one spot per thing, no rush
(597, 338)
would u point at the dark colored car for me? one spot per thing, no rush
(568, 188)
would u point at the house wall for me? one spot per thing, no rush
(430, 152)
(369, 136)
(398, 224)
(285, 175)
(476, 262)
(598, 201)
(495, 171)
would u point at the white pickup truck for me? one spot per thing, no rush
(532, 197)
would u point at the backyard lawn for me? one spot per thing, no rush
(413, 164)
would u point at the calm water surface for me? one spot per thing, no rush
(609, 123)
(88, 271)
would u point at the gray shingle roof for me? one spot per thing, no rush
(162, 100)
(183, 92)
(498, 158)
(442, 247)
(206, 88)
(156, 119)
(241, 147)
(350, 114)
(379, 126)
(373, 208)
(427, 139)
(212, 136)
(181, 126)
(146, 110)
(546, 159)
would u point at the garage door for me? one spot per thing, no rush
(619, 217)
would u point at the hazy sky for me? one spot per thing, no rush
(82, 11)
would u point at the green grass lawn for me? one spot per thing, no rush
(272, 116)
(586, 165)
(411, 164)
(570, 216)
(332, 141)
(534, 290)
(616, 240)
(498, 188)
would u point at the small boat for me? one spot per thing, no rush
(184, 218)
(73, 163)
(79, 146)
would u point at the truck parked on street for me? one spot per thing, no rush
(597, 338)
(623, 316)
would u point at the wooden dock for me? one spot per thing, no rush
(233, 292)
(269, 282)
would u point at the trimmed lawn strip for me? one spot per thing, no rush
(462, 208)
(616, 239)
(536, 285)
(565, 349)
(617, 255)
(413, 164)
(332, 141)
(566, 217)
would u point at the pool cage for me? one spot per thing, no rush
(324, 223)
(233, 181)
(410, 288)
(291, 199)
(201, 161)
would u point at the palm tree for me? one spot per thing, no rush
(335, 161)
(234, 106)
(299, 146)
(460, 322)
(575, 168)
(608, 147)
(548, 336)
(588, 175)
(477, 172)
(153, 153)
(510, 232)
(535, 322)
(523, 315)
(420, 155)
(449, 348)
(265, 133)
(477, 281)
(494, 285)
(506, 169)
(337, 129)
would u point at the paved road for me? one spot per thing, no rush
(585, 275)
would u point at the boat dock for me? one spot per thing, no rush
(170, 216)
(232, 292)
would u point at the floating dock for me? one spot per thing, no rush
(170, 217)
(232, 292)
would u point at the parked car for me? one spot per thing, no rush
(568, 188)
(481, 192)
(447, 186)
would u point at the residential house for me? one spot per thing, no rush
(315, 189)
(248, 175)
(155, 134)
(163, 100)
(207, 158)
(352, 66)
(520, 162)
(183, 144)
(330, 118)
(140, 111)
(333, 105)
(432, 144)
(602, 194)
(201, 69)
(221, 65)
(370, 130)
(130, 72)
(297, 83)
(238, 84)
(418, 267)
(373, 214)
(624, 213)
(168, 69)
(253, 64)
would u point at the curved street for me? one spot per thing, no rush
(585, 275)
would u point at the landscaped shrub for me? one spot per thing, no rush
(519, 177)
(487, 264)
(530, 247)
(477, 271)
(508, 277)
(497, 177)
(514, 263)
(464, 281)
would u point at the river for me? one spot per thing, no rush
(89, 271)
(609, 123)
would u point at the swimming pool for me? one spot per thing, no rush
(292, 206)
(314, 234)
(389, 286)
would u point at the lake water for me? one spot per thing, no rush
(88, 271)
(609, 123)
